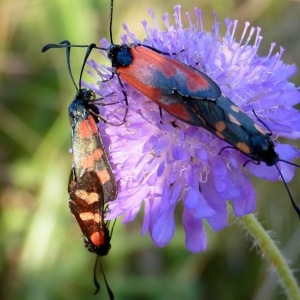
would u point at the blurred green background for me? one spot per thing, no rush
(42, 255)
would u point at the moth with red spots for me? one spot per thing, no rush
(92, 183)
(87, 205)
(167, 82)
(91, 170)
(189, 95)
(194, 98)
(87, 146)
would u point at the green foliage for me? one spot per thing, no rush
(42, 256)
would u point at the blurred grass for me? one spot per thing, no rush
(42, 255)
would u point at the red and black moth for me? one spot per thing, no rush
(194, 98)
(87, 206)
(92, 183)
(87, 146)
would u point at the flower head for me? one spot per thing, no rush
(160, 161)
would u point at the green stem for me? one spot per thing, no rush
(271, 252)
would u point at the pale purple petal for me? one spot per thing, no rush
(195, 237)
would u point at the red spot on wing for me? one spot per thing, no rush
(147, 60)
(179, 110)
(87, 128)
(129, 74)
(195, 80)
(98, 238)
(103, 176)
(176, 109)
(89, 161)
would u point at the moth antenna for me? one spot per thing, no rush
(67, 45)
(262, 122)
(289, 163)
(296, 207)
(96, 282)
(63, 44)
(111, 19)
(97, 285)
(110, 293)
(87, 54)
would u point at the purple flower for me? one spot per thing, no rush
(158, 165)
